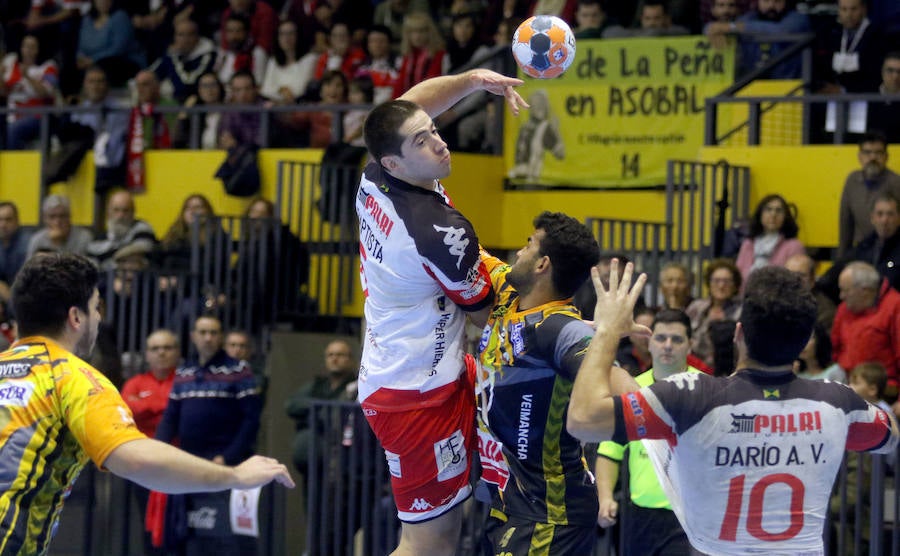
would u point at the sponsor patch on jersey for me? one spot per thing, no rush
(455, 239)
(16, 393)
(420, 505)
(14, 369)
(202, 518)
(393, 461)
(450, 456)
(515, 338)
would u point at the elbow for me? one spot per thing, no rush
(583, 428)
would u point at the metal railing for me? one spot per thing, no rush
(703, 201)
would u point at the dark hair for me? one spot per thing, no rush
(382, 127)
(716, 264)
(41, 55)
(278, 53)
(243, 19)
(383, 29)
(653, 3)
(873, 136)
(243, 73)
(823, 345)
(778, 315)
(47, 286)
(571, 247)
(872, 372)
(892, 55)
(365, 85)
(789, 227)
(218, 84)
(882, 196)
(673, 316)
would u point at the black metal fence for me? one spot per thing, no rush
(704, 202)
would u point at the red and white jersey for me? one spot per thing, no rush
(749, 460)
(420, 270)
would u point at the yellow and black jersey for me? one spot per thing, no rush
(528, 362)
(56, 411)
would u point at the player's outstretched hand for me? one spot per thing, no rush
(502, 85)
(260, 470)
(615, 307)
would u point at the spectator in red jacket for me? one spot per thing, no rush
(422, 48)
(867, 323)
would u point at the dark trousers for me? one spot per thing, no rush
(653, 532)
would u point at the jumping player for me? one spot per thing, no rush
(421, 274)
(56, 412)
(750, 459)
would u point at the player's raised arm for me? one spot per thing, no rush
(591, 415)
(438, 94)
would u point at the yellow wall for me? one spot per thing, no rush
(811, 177)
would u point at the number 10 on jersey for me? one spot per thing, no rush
(734, 511)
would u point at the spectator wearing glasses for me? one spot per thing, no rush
(773, 236)
(723, 282)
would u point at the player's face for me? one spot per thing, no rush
(521, 275)
(89, 326)
(669, 346)
(162, 351)
(424, 156)
(207, 337)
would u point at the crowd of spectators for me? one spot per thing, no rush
(289, 46)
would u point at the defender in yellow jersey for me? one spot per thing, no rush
(56, 412)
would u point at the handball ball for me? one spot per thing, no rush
(544, 46)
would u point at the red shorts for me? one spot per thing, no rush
(429, 452)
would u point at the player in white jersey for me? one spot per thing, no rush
(421, 274)
(748, 460)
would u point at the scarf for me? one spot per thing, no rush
(763, 247)
(146, 129)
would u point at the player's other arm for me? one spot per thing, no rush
(591, 415)
(159, 466)
(438, 94)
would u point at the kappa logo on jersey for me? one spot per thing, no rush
(16, 394)
(456, 239)
(450, 456)
(805, 421)
(420, 505)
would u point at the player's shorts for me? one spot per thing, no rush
(429, 452)
(509, 535)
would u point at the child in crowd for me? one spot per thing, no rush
(360, 91)
(869, 381)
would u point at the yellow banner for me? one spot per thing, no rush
(618, 114)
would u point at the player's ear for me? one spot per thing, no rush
(389, 162)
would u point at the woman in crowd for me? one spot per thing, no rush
(815, 363)
(176, 246)
(675, 284)
(422, 48)
(287, 72)
(313, 129)
(28, 80)
(210, 92)
(723, 282)
(773, 236)
(107, 39)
